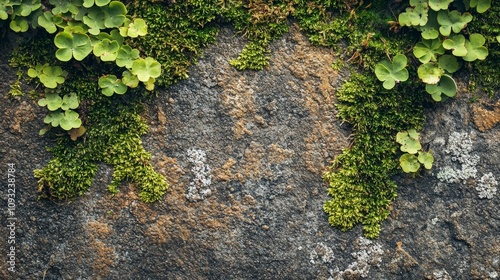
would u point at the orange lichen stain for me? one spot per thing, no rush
(18, 115)
(255, 164)
(486, 116)
(97, 233)
(312, 66)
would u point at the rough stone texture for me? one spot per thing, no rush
(267, 135)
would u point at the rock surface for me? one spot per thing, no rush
(244, 152)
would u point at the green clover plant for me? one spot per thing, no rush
(49, 76)
(110, 85)
(410, 144)
(392, 72)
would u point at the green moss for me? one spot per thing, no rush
(360, 178)
(485, 74)
(176, 34)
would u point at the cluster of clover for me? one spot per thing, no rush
(81, 28)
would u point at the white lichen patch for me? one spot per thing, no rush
(199, 187)
(460, 149)
(321, 254)
(368, 255)
(487, 186)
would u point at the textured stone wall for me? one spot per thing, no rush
(244, 152)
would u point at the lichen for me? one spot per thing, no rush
(487, 186)
(460, 151)
(199, 187)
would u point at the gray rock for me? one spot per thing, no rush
(266, 137)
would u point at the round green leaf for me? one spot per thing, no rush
(137, 28)
(52, 76)
(110, 85)
(392, 73)
(481, 5)
(453, 20)
(54, 118)
(428, 50)
(446, 86)
(475, 48)
(430, 73)
(416, 15)
(126, 56)
(130, 80)
(52, 100)
(71, 120)
(437, 5)
(409, 163)
(426, 158)
(457, 44)
(49, 21)
(448, 63)
(107, 50)
(115, 12)
(70, 101)
(72, 45)
(146, 68)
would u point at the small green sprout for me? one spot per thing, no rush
(67, 120)
(446, 86)
(428, 50)
(72, 45)
(146, 68)
(480, 5)
(110, 85)
(410, 144)
(475, 48)
(430, 73)
(437, 5)
(392, 73)
(456, 43)
(106, 50)
(452, 21)
(49, 76)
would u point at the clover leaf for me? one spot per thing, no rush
(5, 10)
(475, 48)
(392, 73)
(146, 68)
(115, 12)
(150, 84)
(49, 76)
(129, 79)
(72, 45)
(25, 8)
(50, 22)
(448, 63)
(409, 163)
(54, 118)
(428, 50)
(481, 5)
(437, 5)
(71, 120)
(126, 56)
(446, 86)
(107, 50)
(19, 24)
(409, 141)
(453, 20)
(110, 84)
(95, 19)
(114, 35)
(137, 28)
(69, 101)
(64, 6)
(415, 15)
(431, 29)
(430, 73)
(457, 44)
(52, 100)
(426, 158)
(99, 3)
